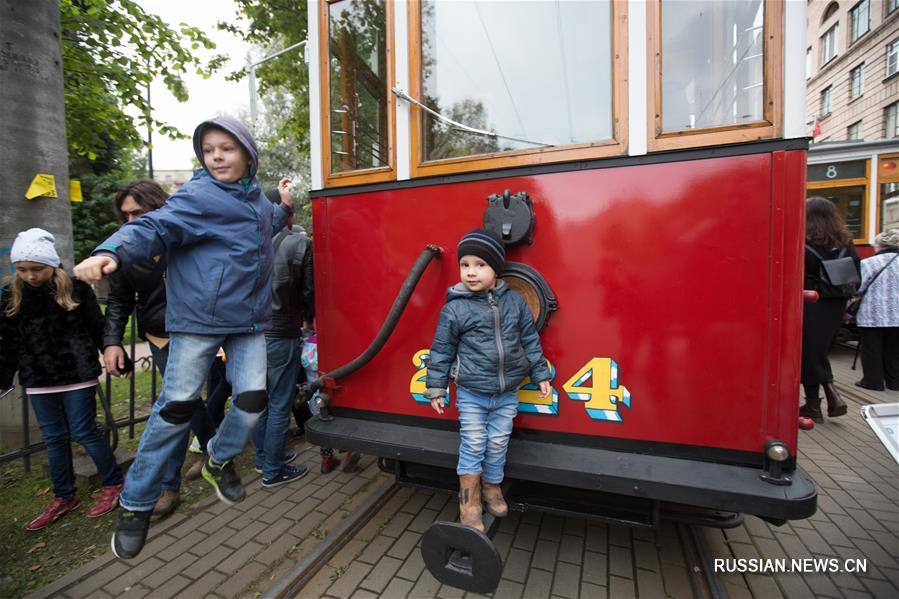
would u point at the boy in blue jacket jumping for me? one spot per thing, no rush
(487, 340)
(216, 235)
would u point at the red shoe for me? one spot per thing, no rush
(108, 500)
(329, 463)
(53, 512)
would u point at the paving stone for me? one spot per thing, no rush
(167, 571)
(181, 546)
(96, 581)
(621, 563)
(595, 568)
(397, 588)
(275, 531)
(437, 501)
(412, 567)
(571, 549)
(575, 526)
(347, 553)
(676, 580)
(875, 553)
(502, 542)
(170, 588)
(133, 576)
(423, 521)
(516, 566)
(815, 543)
(510, 523)
(212, 559)
(448, 592)
(508, 589)
(363, 594)
(404, 545)
(375, 549)
(276, 550)
(202, 586)
(319, 583)
(237, 582)
(380, 576)
(545, 555)
(539, 584)
(398, 524)
(649, 583)
(525, 537)
(619, 536)
(566, 581)
(245, 535)
(594, 591)
(881, 588)
(415, 502)
(212, 542)
(346, 584)
(426, 587)
(821, 584)
(551, 528)
(597, 539)
(532, 517)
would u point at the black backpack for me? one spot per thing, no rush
(839, 276)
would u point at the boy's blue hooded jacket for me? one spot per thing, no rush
(487, 341)
(216, 239)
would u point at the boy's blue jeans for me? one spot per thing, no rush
(67, 416)
(271, 429)
(485, 423)
(190, 356)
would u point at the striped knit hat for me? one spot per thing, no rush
(485, 245)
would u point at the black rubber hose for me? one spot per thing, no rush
(399, 305)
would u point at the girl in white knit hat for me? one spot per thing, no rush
(50, 332)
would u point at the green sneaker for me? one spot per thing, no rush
(224, 480)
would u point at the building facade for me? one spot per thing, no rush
(852, 110)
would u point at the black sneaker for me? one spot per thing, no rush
(225, 481)
(131, 533)
(287, 474)
(288, 458)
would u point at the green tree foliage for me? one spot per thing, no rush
(271, 26)
(111, 51)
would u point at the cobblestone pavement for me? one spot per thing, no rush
(244, 550)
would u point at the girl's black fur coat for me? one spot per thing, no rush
(48, 345)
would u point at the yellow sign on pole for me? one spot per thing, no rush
(75, 191)
(41, 186)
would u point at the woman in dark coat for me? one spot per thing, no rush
(826, 237)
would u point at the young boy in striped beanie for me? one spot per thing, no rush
(487, 342)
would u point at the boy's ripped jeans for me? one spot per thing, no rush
(485, 423)
(190, 356)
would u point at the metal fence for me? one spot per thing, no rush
(110, 425)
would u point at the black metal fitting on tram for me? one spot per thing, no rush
(306, 390)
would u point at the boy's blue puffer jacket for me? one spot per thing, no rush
(486, 358)
(217, 241)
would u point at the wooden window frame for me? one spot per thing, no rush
(835, 28)
(615, 146)
(368, 175)
(860, 69)
(881, 179)
(866, 196)
(849, 128)
(853, 22)
(770, 127)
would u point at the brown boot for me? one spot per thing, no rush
(835, 404)
(493, 497)
(470, 509)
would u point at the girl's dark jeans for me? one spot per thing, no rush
(71, 416)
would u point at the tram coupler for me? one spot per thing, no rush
(463, 557)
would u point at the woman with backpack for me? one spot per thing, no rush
(828, 246)
(878, 314)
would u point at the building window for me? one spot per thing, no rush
(831, 10)
(854, 131)
(857, 81)
(825, 101)
(859, 20)
(892, 5)
(808, 62)
(829, 44)
(893, 58)
(892, 123)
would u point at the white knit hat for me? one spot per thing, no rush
(35, 245)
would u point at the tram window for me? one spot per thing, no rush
(712, 63)
(888, 175)
(850, 202)
(536, 73)
(358, 84)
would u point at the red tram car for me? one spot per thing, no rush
(646, 165)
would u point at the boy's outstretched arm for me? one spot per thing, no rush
(443, 352)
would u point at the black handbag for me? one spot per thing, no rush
(838, 273)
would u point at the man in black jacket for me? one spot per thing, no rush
(292, 305)
(144, 285)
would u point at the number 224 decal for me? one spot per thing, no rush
(596, 384)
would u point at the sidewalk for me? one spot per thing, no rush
(212, 550)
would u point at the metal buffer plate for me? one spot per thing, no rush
(461, 557)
